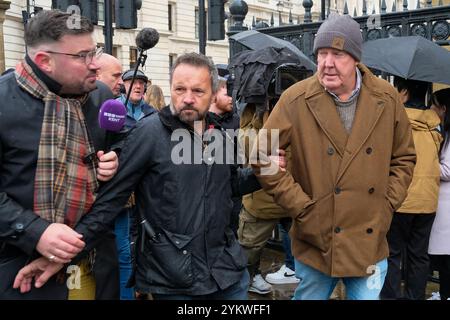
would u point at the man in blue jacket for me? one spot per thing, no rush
(137, 108)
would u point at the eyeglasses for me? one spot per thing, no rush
(87, 56)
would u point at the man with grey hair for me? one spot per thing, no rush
(52, 160)
(186, 249)
(353, 155)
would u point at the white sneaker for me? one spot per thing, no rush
(283, 276)
(435, 296)
(259, 285)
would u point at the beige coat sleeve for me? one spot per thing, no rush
(287, 193)
(403, 158)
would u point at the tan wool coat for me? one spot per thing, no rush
(342, 189)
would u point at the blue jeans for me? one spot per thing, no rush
(122, 231)
(315, 285)
(237, 291)
(289, 258)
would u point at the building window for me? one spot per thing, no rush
(101, 10)
(133, 57)
(172, 58)
(196, 23)
(171, 18)
(115, 50)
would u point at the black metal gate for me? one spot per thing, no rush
(429, 22)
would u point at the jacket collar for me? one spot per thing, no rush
(370, 105)
(145, 108)
(170, 121)
(217, 120)
(51, 84)
(173, 122)
(367, 79)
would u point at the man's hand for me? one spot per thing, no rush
(40, 270)
(280, 159)
(107, 165)
(60, 243)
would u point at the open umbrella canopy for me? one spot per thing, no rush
(255, 40)
(410, 57)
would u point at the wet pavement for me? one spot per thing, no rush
(273, 259)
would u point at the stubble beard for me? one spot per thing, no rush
(188, 119)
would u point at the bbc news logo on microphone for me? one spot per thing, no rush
(112, 117)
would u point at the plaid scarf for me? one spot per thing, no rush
(64, 186)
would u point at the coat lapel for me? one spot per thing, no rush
(368, 111)
(324, 111)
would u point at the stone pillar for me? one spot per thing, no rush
(4, 5)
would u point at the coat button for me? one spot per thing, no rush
(369, 230)
(337, 190)
(184, 252)
(19, 227)
(369, 150)
(337, 230)
(330, 151)
(371, 190)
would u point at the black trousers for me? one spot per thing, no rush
(408, 239)
(441, 263)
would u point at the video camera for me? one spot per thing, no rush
(282, 78)
(285, 76)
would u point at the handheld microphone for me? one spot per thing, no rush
(111, 116)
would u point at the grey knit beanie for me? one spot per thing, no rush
(342, 33)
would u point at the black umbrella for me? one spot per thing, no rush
(408, 57)
(255, 40)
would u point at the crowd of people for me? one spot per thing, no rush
(164, 209)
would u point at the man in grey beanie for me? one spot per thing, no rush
(354, 156)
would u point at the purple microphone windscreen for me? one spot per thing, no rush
(111, 116)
